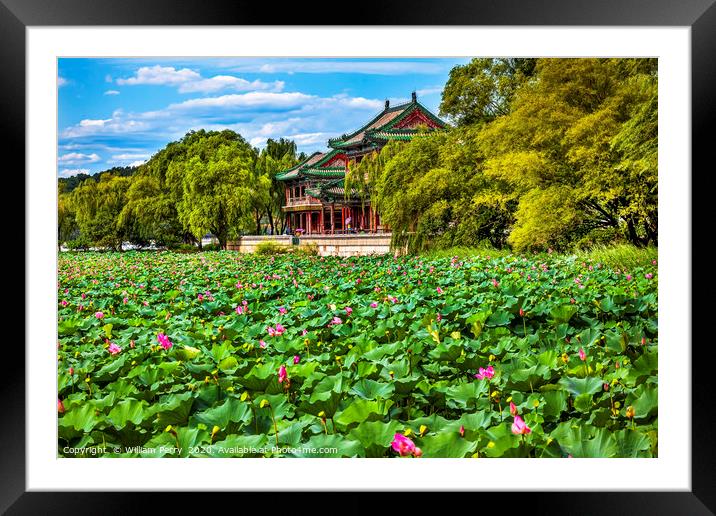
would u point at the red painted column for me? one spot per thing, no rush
(333, 219)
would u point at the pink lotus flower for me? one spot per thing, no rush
(282, 310)
(239, 309)
(649, 276)
(439, 290)
(519, 427)
(262, 344)
(296, 359)
(495, 283)
(200, 297)
(72, 371)
(374, 305)
(462, 430)
(349, 310)
(125, 300)
(628, 277)
(63, 303)
(282, 374)
(113, 349)
(280, 329)
(402, 445)
(271, 331)
(418, 452)
(60, 406)
(513, 409)
(164, 341)
(485, 373)
(582, 355)
(336, 320)
(99, 315)
(304, 332)
(439, 317)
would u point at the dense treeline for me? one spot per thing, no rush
(67, 184)
(543, 153)
(558, 153)
(207, 182)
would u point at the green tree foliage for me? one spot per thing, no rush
(66, 224)
(150, 213)
(209, 181)
(278, 155)
(219, 185)
(97, 206)
(555, 153)
(584, 131)
(483, 89)
(68, 184)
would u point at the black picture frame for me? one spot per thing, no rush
(699, 15)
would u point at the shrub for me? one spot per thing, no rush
(271, 247)
(307, 249)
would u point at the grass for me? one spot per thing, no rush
(620, 256)
(616, 256)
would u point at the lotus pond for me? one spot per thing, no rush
(218, 354)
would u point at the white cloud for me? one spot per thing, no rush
(119, 123)
(360, 67)
(137, 163)
(190, 81)
(160, 75)
(74, 158)
(68, 172)
(128, 157)
(108, 78)
(254, 99)
(94, 123)
(309, 138)
(111, 92)
(429, 91)
(61, 81)
(228, 82)
(309, 120)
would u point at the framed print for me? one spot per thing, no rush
(302, 255)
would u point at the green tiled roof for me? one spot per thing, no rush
(292, 172)
(385, 120)
(331, 190)
(323, 172)
(400, 134)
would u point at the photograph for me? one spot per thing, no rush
(357, 257)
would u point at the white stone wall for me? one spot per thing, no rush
(328, 245)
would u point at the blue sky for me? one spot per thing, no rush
(118, 112)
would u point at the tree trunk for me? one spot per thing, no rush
(257, 215)
(633, 236)
(270, 217)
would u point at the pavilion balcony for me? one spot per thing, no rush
(302, 203)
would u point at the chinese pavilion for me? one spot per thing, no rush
(316, 200)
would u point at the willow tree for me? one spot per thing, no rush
(97, 206)
(577, 152)
(219, 185)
